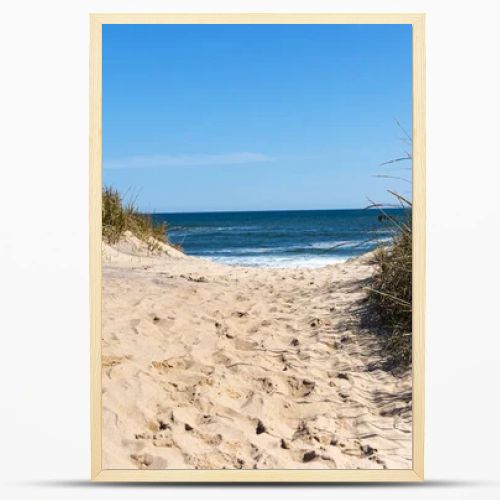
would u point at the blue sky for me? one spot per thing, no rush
(254, 117)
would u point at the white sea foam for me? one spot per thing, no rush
(280, 262)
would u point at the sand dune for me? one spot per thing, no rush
(208, 366)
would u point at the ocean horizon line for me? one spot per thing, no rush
(280, 210)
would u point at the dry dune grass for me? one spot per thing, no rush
(119, 217)
(390, 289)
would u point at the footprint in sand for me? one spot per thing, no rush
(267, 385)
(245, 345)
(220, 358)
(206, 419)
(211, 439)
(340, 379)
(222, 330)
(300, 388)
(344, 396)
(147, 461)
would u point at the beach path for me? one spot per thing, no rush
(209, 366)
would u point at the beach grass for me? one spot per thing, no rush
(119, 216)
(390, 290)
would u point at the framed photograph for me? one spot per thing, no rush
(257, 247)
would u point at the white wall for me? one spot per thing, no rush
(44, 442)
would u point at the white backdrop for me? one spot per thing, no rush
(44, 448)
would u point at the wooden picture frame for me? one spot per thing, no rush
(418, 173)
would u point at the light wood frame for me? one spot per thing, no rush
(295, 475)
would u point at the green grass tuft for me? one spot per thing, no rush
(118, 217)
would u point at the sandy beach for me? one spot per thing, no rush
(211, 366)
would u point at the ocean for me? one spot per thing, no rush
(279, 239)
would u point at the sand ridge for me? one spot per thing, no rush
(210, 366)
